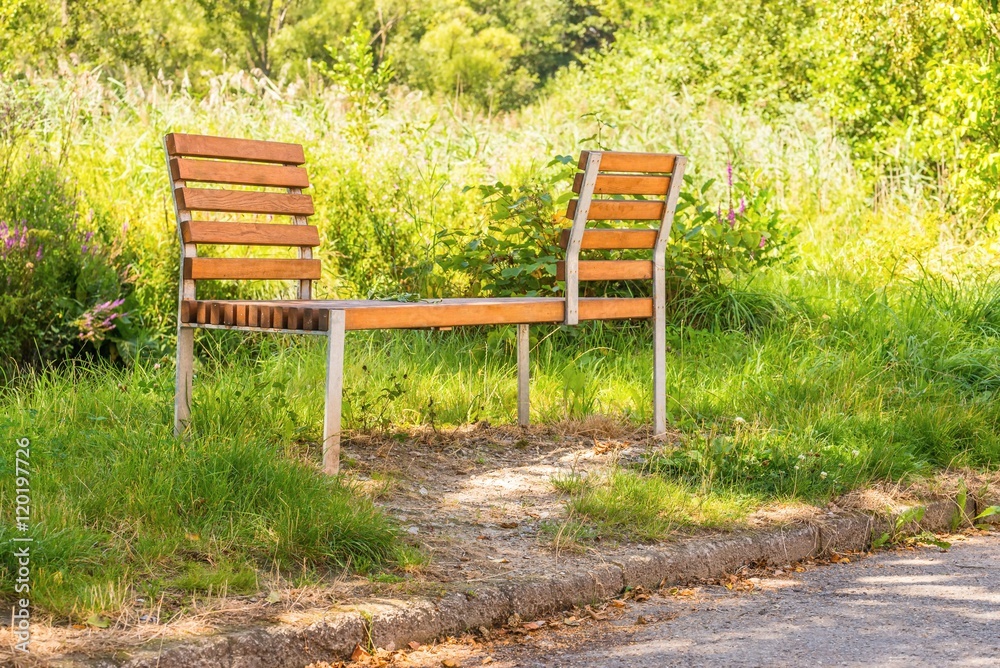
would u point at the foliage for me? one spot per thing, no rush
(901, 531)
(711, 251)
(365, 84)
(915, 87)
(61, 282)
(716, 248)
(516, 251)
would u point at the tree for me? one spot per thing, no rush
(259, 22)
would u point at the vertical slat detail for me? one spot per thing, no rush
(305, 252)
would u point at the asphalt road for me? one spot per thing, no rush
(899, 608)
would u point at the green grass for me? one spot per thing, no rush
(121, 508)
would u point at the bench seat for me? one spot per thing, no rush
(313, 315)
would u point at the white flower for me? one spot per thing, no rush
(802, 458)
(823, 474)
(855, 453)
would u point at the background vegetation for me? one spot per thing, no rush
(835, 314)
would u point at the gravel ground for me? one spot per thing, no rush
(907, 608)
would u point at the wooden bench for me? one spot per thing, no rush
(252, 218)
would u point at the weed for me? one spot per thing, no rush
(900, 531)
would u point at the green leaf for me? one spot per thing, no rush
(988, 512)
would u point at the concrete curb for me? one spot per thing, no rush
(392, 625)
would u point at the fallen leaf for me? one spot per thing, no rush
(642, 619)
(273, 597)
(618, 603)
(451, 663)
(413, 644)
(508, 525)
(359, 653)
(533, 626)
(487, 660)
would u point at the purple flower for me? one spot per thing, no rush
(729, 173)
(718, 213)
(99, 320)
(38, 253)
(763, 241)
(743, 205)
(732, 217)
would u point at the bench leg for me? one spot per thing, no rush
(523, 347)
(185, 371)
(334, 393)
(659, 371)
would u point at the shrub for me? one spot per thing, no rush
(714, 250)
(61, 292)
(516, 253)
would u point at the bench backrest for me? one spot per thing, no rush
(274, 171)
(606, 179)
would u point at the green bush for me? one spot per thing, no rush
(714, 250)
(61, 293)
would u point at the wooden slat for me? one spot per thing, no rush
(248, 234)
(626, 184)
(623, 161)
(213, 268)
(609, 270)
(225, 148)
(244, 201)
(239, 173)
(400, 315)
(612, 209)
(490, 313)
(613, 239)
